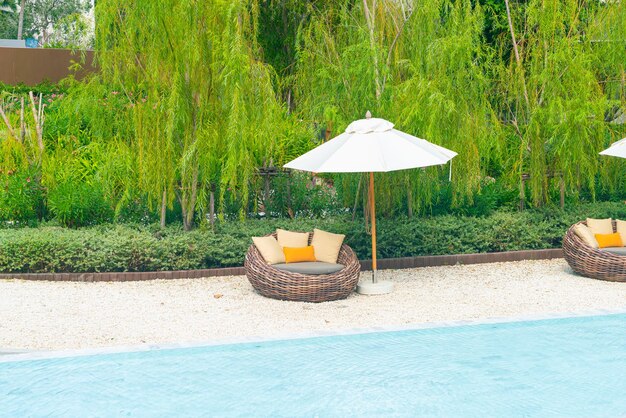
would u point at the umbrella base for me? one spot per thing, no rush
(371, 288)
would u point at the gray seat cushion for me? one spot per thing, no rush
(615, 250)
(310, 267)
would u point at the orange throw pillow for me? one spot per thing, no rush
(609, 240)
(299, 254)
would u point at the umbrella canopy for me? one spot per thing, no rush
(371, 145)
(617, 149)
(367, 146)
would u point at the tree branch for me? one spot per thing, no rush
(393, 44)
(7, 122)
(369, 18)
(36, 118)
(517, 56)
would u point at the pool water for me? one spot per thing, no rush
(570, 367)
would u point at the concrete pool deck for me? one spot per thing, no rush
(38, 315)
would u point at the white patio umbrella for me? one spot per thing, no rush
(367, 146)
(617, 149)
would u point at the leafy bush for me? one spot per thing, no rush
(137, 210)
(20, 197)
(304, 196)
(148, 248)
(76, 204)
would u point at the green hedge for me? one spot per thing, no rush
(141, 248)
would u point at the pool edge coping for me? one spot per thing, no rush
(135, 348)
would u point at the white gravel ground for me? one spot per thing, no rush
(62, 315)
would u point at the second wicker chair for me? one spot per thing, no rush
(591, 262)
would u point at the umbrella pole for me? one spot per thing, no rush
(374, 287)
(373, 215)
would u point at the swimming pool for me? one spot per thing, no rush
(573, 367)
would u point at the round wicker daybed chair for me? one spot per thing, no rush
(285, 285)
(591, 262)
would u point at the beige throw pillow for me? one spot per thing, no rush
(585, 234)
(292, 239)
(621, 229)
(326, 245)
(269, 249)
(600, 226)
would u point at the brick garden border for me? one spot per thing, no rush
(383, 264)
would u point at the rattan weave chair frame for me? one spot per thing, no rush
(590, 262)
(285, 285)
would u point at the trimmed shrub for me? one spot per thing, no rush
(149, 248)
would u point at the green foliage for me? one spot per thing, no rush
(65, 18)
(73, 31)
(193, 99)
(114, 248)
(41, 15)
(447, 71)
(46, 88)
(303, 195)
(8, 19)
(21, 197)
(134, 209)
(409, 72)
(141, 248)
(202, 111)
(78, 204)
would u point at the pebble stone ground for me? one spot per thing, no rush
(72, 315)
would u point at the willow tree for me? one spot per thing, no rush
(556, 63)
(204, 111)
(444, 92)
(530, 103)
(405, 61)
(606, 35)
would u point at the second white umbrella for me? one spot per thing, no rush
(617, 149)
